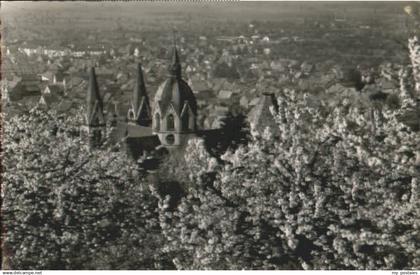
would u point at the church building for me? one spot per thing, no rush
(175, 108)
(169, 122)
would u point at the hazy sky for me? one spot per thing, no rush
(232, 9)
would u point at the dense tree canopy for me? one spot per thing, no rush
(337, 190)
(66, 207)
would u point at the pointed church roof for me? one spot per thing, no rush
(139, 89)
(175, 67)
(139, 111)
(94, 101)
(174, 90)
(93, 90)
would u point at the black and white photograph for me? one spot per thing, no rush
(210, 135)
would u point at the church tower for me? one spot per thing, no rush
(175, 108)
(95, 120)
(139, 112)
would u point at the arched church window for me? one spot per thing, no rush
(185, 121)
(170, 123)
(157, 122)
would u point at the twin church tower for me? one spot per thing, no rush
(171, 118)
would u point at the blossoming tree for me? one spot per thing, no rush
(337, 190)
(67, 207)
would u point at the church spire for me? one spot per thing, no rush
(139, 89)
(175, 107)
(139, 113)
(175, 68)
(95, 113)
(94, 101)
